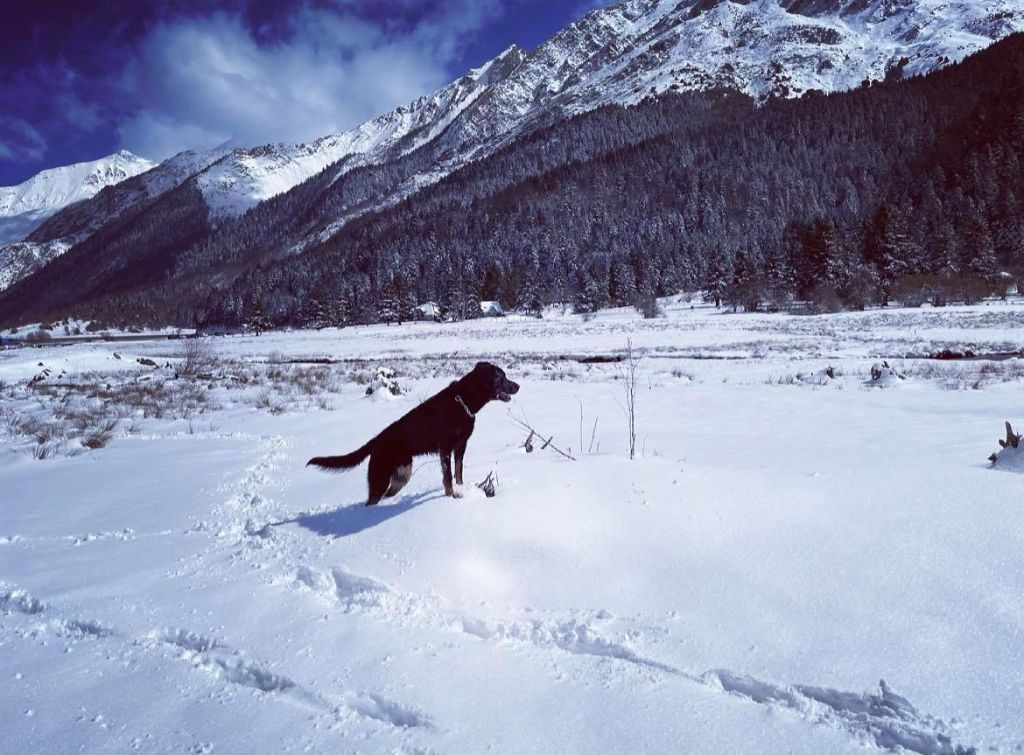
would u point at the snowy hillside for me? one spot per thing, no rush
(621, 55)
(246, 177)
(793, 562)
(25, 206)
(22, 258)
(625, 53)
(190, 222)
(54, 235)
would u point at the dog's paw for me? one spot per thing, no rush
(456, 493)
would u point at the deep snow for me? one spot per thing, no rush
(784, 541)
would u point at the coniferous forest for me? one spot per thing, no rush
(902, 191)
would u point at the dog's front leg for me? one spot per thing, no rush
(460, 452)
(446, 475)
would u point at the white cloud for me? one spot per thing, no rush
(19, 140)
(201, 82)
(586, 6)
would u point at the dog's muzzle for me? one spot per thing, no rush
(506, 391)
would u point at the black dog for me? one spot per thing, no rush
(440, 425)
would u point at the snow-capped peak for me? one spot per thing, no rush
(25, 206)
(624, 53)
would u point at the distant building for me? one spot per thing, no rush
(491, 309)
(428, 311)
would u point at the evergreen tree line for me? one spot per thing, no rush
(906, 191)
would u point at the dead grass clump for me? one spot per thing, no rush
(99, 436)
(970, 375)
(268, 401)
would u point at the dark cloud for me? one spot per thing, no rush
(81, 80)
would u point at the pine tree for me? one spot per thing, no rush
(621, 284)
(403, 298)
(888, 246)
(529, 300)
(387, 304)
(717, 280)
(316, 313)
(820, 261)
(588, 295)
(471, 303)
(746, 287)
(449, 303)
(980, 250)
(258, 322)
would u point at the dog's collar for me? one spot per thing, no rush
(463, 405)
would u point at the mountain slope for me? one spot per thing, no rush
(25, 206)
(620, 55)
(78, 221)
(918, 180)
(295, 197)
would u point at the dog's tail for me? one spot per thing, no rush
(340, 463)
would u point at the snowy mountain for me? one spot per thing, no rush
(80, 220)
(51, 233)
(188, 214)
(246, 177)
(25, 206)
(624, 53)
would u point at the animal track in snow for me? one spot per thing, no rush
(887, 719)
(890, 720)
(224, 662)
(17, 601)
(231, 665)
(349, 591)
(388, 711)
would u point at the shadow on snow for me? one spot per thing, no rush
(356, 517)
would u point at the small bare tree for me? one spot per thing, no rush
(197, 355)
(629, 373)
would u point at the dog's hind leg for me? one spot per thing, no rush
(399, 478)
(379, 477)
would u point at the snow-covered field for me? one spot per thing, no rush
(782, 542)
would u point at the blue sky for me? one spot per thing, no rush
(80, 80)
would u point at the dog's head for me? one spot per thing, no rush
(496, 385)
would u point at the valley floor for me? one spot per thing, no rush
(793, 562)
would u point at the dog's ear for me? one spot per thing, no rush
(481, 366)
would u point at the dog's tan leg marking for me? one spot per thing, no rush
(460, 452)
(446, 476)
(399, 479)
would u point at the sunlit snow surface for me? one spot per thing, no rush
(783, 542)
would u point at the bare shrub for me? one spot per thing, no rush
(197, 355)
(629, 372)
(269, 401)
(648, 306)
